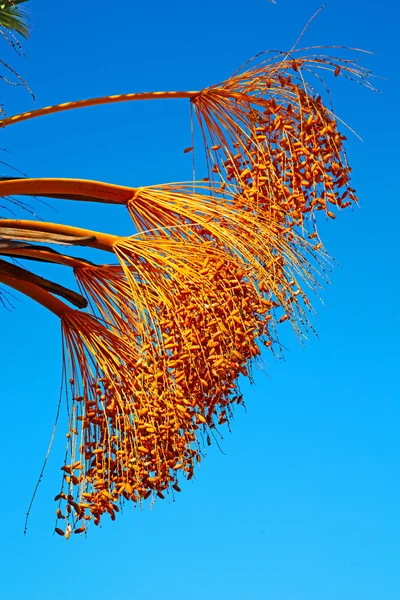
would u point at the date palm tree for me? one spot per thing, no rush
(156, 337)
(14, 17)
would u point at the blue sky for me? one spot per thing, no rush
(304, 502)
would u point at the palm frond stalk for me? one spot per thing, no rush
(209, 273)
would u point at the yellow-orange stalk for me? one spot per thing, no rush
(49, 110)
(101, 241)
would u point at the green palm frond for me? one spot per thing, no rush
(14, 17)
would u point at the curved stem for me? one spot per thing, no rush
(47, 256)
(37, 293)
(103, 241)
(49, 110)
(94, 191)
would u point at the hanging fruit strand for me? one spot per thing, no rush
(208, 276)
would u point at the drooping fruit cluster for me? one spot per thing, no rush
(212, 271)
(133, 431)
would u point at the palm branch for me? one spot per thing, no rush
(211, 270)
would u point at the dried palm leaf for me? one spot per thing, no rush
(17, 272)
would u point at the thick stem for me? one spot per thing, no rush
(49, 110)
(103, 241)
(95, 191)
(37, 293)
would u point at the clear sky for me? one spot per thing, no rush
(304, 502)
